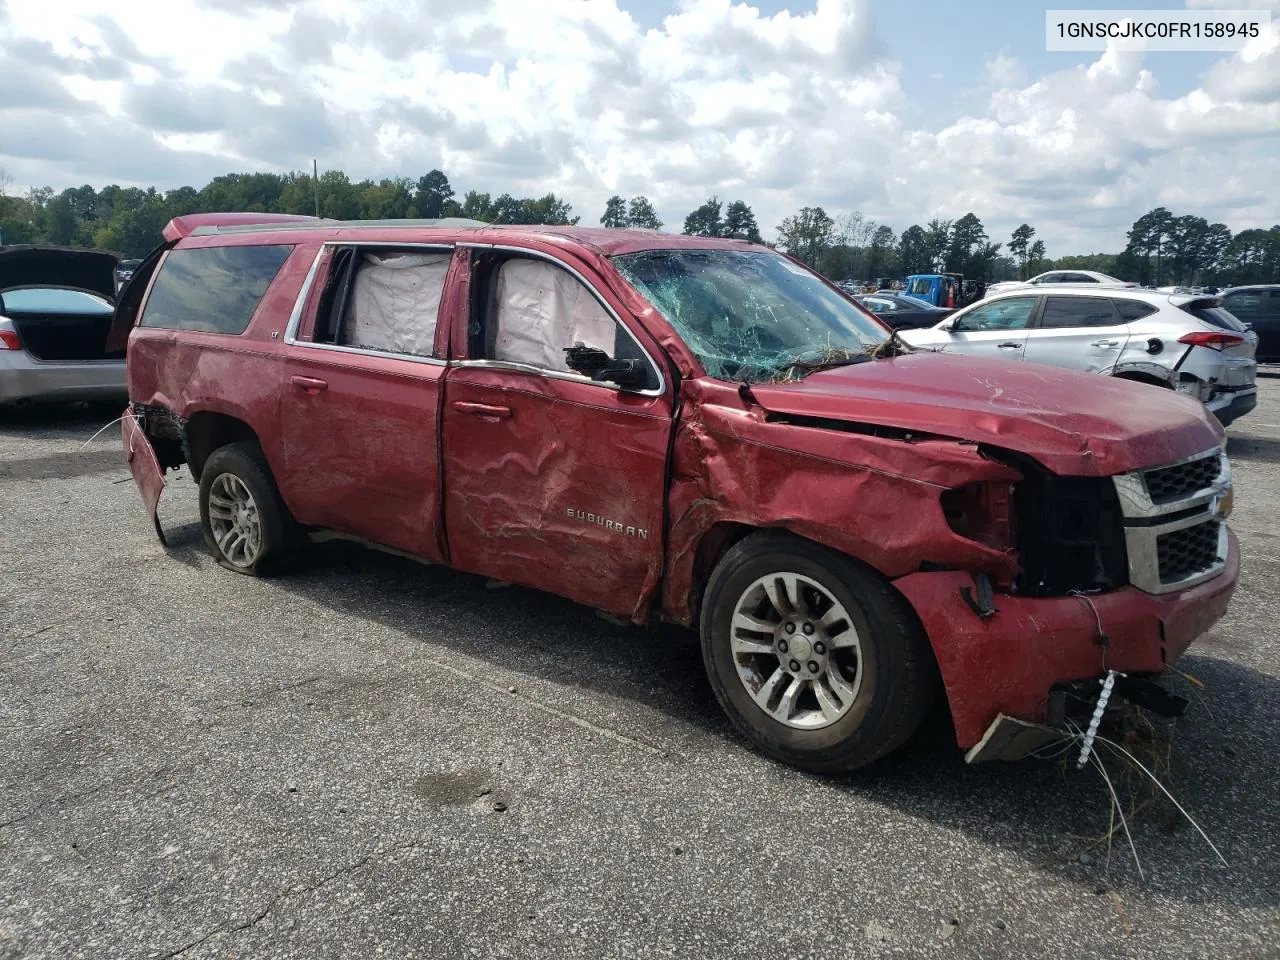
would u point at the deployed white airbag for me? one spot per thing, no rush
(541, 309)
(395, 302)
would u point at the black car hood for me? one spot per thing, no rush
(93, 271)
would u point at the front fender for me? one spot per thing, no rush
(871, 498)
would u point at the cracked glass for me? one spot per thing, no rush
(751, 315)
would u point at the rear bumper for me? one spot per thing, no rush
(1229, 406)
(24, 378)
(1009, 662)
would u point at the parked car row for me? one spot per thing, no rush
(902, 312)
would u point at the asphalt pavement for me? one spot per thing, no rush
(375, 758)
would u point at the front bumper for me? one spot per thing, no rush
(1009, 662)
(22, 377)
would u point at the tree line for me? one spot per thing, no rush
(1162, 248)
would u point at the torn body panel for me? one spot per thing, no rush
(1009, 662)
(145, 467)
(874, 498)
(555, 484)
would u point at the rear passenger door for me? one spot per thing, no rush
(1080, 333)
(553, 480)
(360, 401)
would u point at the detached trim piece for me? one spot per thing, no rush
(145, 467)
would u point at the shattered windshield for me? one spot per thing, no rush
(751, 315)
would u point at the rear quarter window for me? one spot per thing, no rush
(212, 289)
(1133, 309)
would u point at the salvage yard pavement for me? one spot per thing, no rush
(374, 757)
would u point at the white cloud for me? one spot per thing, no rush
(577, 97)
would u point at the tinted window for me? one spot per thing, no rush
(1077, 278)
(1011, 314)
(1243, 304)
(1049, 278)
(42, 300)
(212, 289)
(1079, 312)
(1133, 309)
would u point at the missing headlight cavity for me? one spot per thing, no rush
(1070, 534)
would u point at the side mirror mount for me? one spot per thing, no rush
(599, 366)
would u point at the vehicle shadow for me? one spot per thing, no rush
(60, 421)
(1223, 767)
(1254, 449)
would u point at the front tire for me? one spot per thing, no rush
(246, 524)
(817, 660)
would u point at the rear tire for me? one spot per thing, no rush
(816, 659)
(245, 522)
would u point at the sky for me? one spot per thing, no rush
(902, 110)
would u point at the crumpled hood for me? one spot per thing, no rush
(93, 271)
(1075, 424)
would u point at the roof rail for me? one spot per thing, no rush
(311, 223)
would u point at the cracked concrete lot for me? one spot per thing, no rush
(376, 758)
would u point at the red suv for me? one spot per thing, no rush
(697, 429)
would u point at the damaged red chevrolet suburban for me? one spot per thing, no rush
(696, 429)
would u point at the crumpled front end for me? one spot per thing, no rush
(1125, 584)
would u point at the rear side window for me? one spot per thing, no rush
(1133, 309)
(212, 289)
(386, 300)
(1244, 304)
(1079, 312)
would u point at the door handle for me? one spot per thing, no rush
(309, 385)
(1105, 343)
(1008, 346)
(489, 410)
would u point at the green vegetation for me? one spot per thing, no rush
(1162, 248)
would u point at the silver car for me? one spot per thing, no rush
(56, 307)
(1186, 343)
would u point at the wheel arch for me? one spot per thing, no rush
(1151, 373)
(207, 430)
(723, 535)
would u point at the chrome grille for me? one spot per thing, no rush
(1184, 553)
(1174, 536)
(1168, 484)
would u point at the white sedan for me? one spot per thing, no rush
(1056, 277)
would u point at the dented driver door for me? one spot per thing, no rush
(552, 480)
